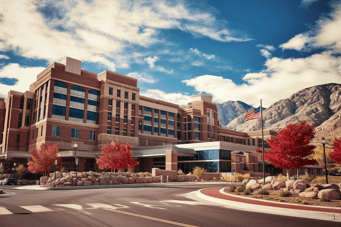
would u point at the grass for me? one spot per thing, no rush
(232, 189)
(241, 188)
(247, 192)
(284, 194)
(331, 179)
(263, 192)
(324, 198)
(298, 200)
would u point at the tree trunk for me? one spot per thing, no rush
(288, 177)
(298, 170)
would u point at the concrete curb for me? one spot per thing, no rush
(326, 216)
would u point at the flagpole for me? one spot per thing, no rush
(261, 116)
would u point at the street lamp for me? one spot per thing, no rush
(76, 159)
(323, 141)
(55, 169)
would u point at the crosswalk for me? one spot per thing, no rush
(87, 207)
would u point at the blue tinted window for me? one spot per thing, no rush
(140, 127)
(147, 128)
(170, 132)
(156, 129)
(59, 96)
(76, 113)
(59, 84)
(91, 116)
(171, 122)
(171, 114)
(77, 99)
(197, 119)
(94, 103)
(163, 112)
(215, 154)
(58, 110)
(156, 111)
(94, 92)
(140, 107)
(147, 118)
(163, 130)
(147, 109)
(200, 155)
(163, 121)
(77, 88)
(156, 120)
(75, 133)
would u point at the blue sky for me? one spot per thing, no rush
(233, 50)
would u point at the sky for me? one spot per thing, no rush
(242, 50)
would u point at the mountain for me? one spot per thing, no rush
(229, 110)
(318, 105)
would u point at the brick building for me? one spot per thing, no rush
(68, 105)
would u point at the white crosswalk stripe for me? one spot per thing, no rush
(3, 211)
(181, 202)
(36, 209)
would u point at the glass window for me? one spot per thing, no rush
(75, 133)
(156, 130)
(18, 138)
(108, 129)
(171, 122)
(156, 111)
(125, 132)
(59, 96)
(77, 99)
(156, 120)
(94, 92)
(117, 117)
(58, 110)
(132, 106)
(197, 119)
(109, 116)
(94, 103)
(170, 132)
(118, 93)
(131, 132)
(132, 120)
(147, 109)
(126, 95)
(147, 128)
(76, 113)
(171, 114)
(41, 130)
(118, 104)
(163, 130)
(147, 118)
(92, 116)
(163, 112)
(59, 84)
(140, 107)
(111, 90)
(92, 135)
(125, 119)
(110, 102)
(133, 96)
(215, 154)
(163, 121)
(125, 105)
(117, 130)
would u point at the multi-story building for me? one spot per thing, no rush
(67, 105)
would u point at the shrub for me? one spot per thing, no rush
(304, 201)
(180, 172)
(214, 179)
(320, 179)
(227, 179)
(237, 193)
(241, 188)
(232, 189)
(263, 192)
(284, 194)
(198, 171)
(324, 198)
(62, 170)
(282, 178)
(247, 192)
(203, 180)
(307, 179)
(280, 200)
(298, 200)
(240, 177)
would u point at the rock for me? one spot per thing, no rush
(43, 180)
(131, 180)
(245, 181)
(331, 186)
(296, 191)
(102, 181)
(79, 183)
(68, 184)
(68, 179)
(331, 193)
(278, 184)
(58, 175)
(61, 180)
(312, 189)
(84, 179)
(253, 184)
(267, 186)
(87, 183)
(107, 180)
(269, 179)
(92, 178)
(289, 184)
(96, 183)
(84, 175)
(309, 194)
(124, 180)
(66, 174)
(300, 184)
(114, 180)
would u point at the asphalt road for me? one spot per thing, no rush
(166, 206)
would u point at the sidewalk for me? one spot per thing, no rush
(218, 195)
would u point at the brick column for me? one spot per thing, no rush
(171, 160)
(81, 162)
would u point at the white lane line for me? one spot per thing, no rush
(181, 202)
(149, 206)
(36, 209)
(105, 206)
(4, 211)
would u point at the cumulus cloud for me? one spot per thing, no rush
(22, 77)
(100, 30)
(281, 78)
(151, 61)
(268, 47)
(199, 53)
(308, 2)
(143, 77)
(198, 63)
(3, 56)
(177, 98)
(296, 43)
(265, 51)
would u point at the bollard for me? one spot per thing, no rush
(161, 180)
(167, 179)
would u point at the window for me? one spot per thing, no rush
(110, 102)
(197, 119)
(132, 106)
(131, 132)
(133, 96)
(109, 116)
(37, 133)
(41, 130)
(147, 109)
(92, 135)
(111, 90)
(171, 114)
(75, 133)
(132, 120)
(125, 132)
(125, 105)
(108, 129)
(126, 95)
(117, 117)
(18, 138)
(125, 119)
(156, 120)
(147, 128)
(55, 130)
(156, 130)
(117, 130)
(76, 113)
(118, 104)
(238, 159)
(163, 112)
(170, 132)
(118, 93)
(156, 111)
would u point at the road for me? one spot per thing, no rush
(166, 206)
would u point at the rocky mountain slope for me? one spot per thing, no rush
(230, 110)
(319, 105)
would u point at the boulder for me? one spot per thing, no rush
(58, 175)
(267, 186)
(102, 181)
(61, 180)
(124, 180)
(137, 180)
(312, 189)
(131, 180)
(309, 194)
(278, 184)
(114, 180)
(79, 183)
(253, 184)
(68, 179)
(87, 183)
(67, 184)
(66, 174)
(84, 179)
(43, 180)
(289, 184)
(84, 175)
(245, 181)
(268, 179)
(331, 193)
(331, 186)
(96, 183)
(92, 178)
(300, 184)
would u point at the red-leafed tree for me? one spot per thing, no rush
(44, 159)
(116, 156)
(336, 154)
(290, 149)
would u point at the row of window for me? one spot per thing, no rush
(74, 132)
(118, 94)
(118, 104)
(125, 132)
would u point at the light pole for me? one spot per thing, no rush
(323, 141)
(76, 159)
(55, 169)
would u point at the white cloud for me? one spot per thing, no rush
(177, 98)
(308, 2)
(151, 61)
(268, 47)
(199, 53)
(161, 69)
(296, 43)
(198, 63)
(24, 75)
(282, 78)
(3, 56)
(265, 53)
(143, 77)
(208, 57)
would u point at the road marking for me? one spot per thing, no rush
(3, 211)
(36, 209)
(73, 206)
(105, 206)
(181, 202)
(151, 218)
(149, 206)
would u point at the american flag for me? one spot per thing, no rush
(253, 114)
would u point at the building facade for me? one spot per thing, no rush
(67, 105)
